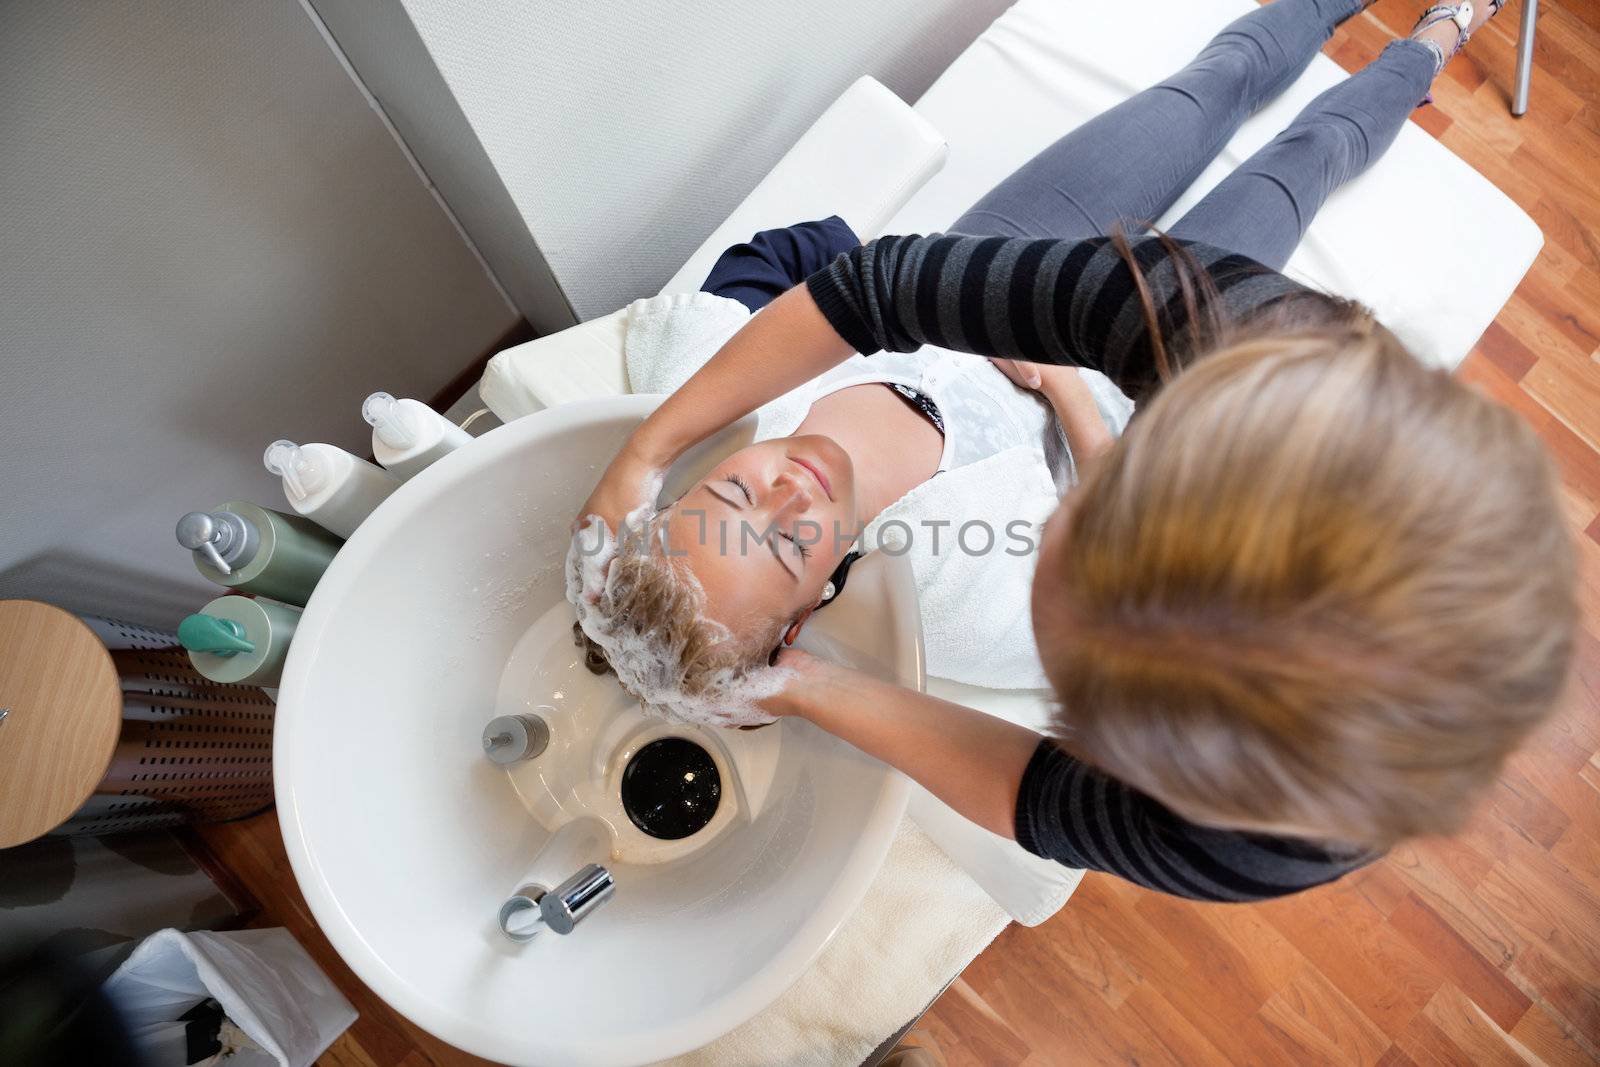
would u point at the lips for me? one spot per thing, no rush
(815, 472)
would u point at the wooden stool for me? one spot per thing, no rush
(97, 740)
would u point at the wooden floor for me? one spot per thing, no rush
(1479, 950)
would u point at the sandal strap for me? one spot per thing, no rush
(1460, 14)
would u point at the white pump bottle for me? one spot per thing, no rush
(328, 485)
(407, 435)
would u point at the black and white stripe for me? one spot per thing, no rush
(1070, 812)
(1044, 300)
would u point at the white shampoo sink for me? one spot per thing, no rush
(445, 610)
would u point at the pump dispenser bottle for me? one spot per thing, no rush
(328, 485)
(407, 435)
(255, 550)
(239, 641)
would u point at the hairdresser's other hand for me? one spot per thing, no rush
(812, 680)
(628, 482)
(1040, 377)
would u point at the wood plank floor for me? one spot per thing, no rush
(1484, 949)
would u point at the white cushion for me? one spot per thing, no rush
(579, 362)
(1421, 238)
(861, 160)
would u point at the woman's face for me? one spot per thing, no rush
(766, 528)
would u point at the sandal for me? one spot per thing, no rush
(1460, 14)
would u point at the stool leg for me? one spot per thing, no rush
(1530, 16)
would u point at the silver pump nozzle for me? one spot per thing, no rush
(223, 539)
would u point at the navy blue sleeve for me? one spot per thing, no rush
(1075, 814)
(774, 261)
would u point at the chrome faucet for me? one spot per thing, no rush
(535, 906)
(532, 908)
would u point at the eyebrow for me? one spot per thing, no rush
(771, 541)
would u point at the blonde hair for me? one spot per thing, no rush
(655, 635)
(1316, 585)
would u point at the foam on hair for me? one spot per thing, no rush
(647, 617)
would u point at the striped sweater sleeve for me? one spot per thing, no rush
(1069, 812)
(1046, 300)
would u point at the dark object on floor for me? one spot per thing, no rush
(671, 788)
(204, 1030)
(52, 1014)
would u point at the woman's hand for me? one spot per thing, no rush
(628, 482)
(1069, 397)
(1044, 378)
(811, 680)
(971, 761)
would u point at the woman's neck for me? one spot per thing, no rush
(892, 447)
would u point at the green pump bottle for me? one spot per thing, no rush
(255, 550)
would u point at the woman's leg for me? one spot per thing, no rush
(1133, 161)
(1262, 209)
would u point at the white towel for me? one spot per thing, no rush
(922, 921)
(670, 337)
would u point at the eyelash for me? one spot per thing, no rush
(805, 553)
(743, 487)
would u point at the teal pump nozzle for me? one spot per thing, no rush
(207, 633)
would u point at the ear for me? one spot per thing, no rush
(795, 627)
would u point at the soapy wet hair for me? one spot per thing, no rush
(646, 622)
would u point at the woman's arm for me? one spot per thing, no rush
(1015, 783)
(784, 346)
(1069, 397)
(1086, 431)
(1049, 301)
(971, 761)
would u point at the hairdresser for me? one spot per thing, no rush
(1309, 602)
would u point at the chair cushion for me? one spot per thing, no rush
(1421, 238)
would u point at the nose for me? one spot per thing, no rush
(789, 499)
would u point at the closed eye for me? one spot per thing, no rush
(805, 553)
(743, 487)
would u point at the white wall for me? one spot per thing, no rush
(209, 241)
(625, 131)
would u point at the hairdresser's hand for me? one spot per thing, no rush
(628, 482)
(1039, 377)
(812, 681)
(1069, 397)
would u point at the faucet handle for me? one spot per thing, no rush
(569, 903)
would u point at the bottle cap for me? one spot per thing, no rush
(222, 538)
(302, 474)
(207, 633)
(391, 423)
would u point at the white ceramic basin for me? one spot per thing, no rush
(406, 840)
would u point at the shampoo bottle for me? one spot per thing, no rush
(239, 641)
(407, 435)
(328, 485)
(255, 550)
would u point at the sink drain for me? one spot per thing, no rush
(671, 788)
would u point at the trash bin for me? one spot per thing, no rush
(266, 984)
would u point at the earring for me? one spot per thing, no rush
(828, 592)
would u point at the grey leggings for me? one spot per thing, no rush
(1131, 163)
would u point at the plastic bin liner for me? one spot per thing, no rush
(263, 979)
